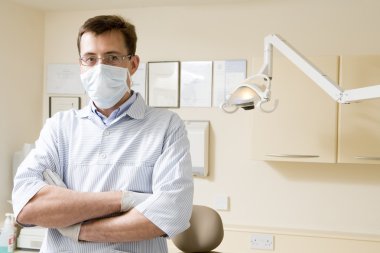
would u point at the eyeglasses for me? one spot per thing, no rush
(108, 59)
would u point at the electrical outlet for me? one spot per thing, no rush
(221, 203)
(262, 241)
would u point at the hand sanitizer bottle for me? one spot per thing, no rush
(7, 235)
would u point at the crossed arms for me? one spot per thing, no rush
(56, 207)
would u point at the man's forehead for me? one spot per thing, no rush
(110, 41)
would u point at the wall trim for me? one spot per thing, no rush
(303, 233)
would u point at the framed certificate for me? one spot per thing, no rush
(139, 80)
(58, 104)
(163, 84)
(227, 75)
(196, 83)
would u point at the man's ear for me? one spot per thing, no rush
(135, 61)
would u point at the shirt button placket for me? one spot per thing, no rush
(104, 155)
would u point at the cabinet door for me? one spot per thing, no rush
(359, 123)
(303, 128)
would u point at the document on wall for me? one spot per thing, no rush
(139, 80)
(163, 84)
(64, 79)
(196, 83)
(227, 76)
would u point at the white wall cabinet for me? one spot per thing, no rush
(359, 123)
(304, 126)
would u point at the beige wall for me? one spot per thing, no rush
(291, 196)
(21, 68)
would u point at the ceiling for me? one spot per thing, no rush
(73, 5)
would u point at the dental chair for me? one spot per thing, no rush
(204, 234)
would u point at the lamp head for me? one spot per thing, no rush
(251, 93)
(244, 97)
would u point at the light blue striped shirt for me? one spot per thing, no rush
(144, 149)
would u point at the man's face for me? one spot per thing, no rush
(105, 44)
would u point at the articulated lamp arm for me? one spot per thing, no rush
(262, 95)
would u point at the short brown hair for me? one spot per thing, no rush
(105, 23)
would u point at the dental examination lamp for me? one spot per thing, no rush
(256, 90)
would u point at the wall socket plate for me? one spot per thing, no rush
(262, 241)
(221, 203)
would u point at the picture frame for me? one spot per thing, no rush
(226, 77)
(139, 80)
(196, 84)
(58, 104)
(163, 84)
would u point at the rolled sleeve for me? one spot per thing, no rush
(170, 206)
(29, 179)
(23, 194)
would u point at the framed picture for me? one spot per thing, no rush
(196, 83)
(139, 80)
(58, 104)
(226, 77)
(163, 84)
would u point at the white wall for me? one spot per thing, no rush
(21, 68)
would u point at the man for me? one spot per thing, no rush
(116, 175)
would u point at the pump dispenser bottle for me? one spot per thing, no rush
(7, 236)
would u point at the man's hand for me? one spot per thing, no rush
(131, 199)
(53, 179)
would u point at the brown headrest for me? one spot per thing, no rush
(205, 232)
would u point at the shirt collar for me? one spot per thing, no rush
(136, 110)
(116, 113)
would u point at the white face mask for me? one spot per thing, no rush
(105, 84)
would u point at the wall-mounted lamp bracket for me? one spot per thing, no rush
(246, 99)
